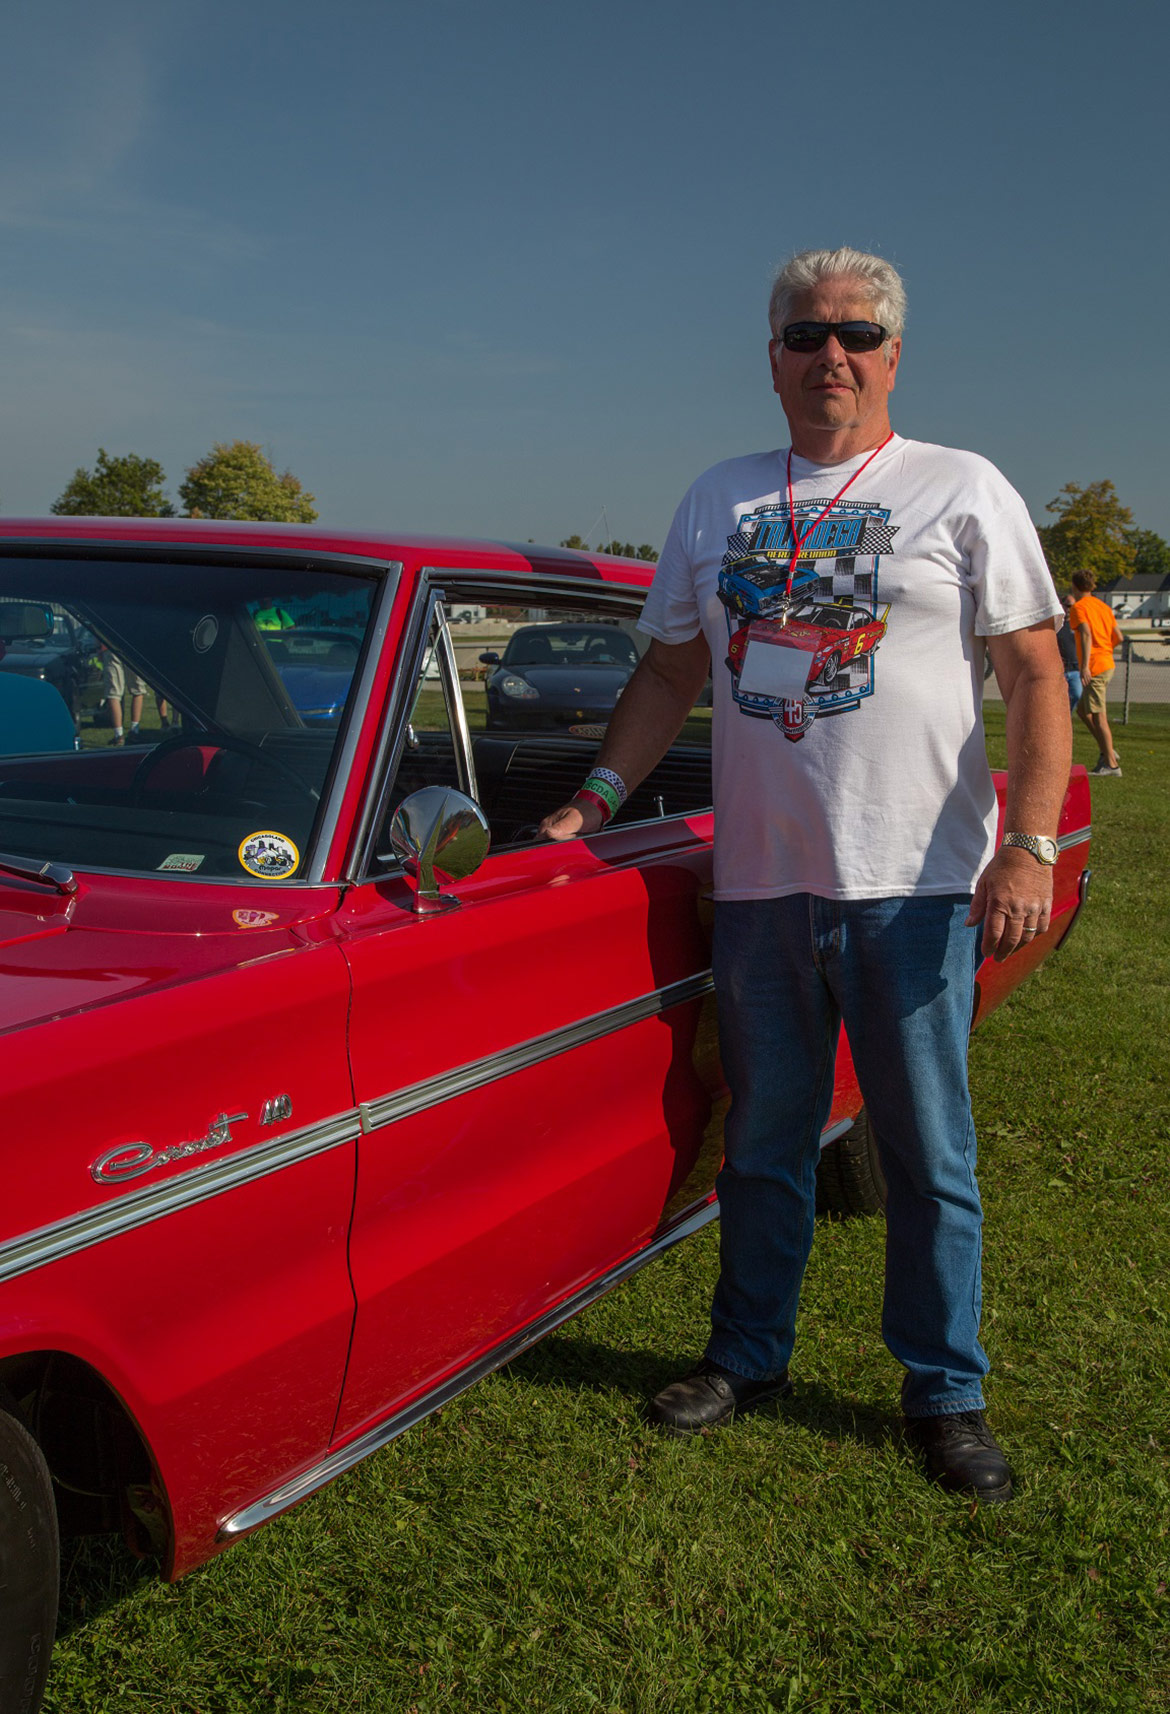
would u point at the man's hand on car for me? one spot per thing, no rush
(1013, 901)
(573, 820)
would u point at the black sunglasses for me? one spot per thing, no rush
(853, 335)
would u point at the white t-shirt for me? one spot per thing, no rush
(848, 745)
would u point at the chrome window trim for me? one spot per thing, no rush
(360, 696)
(129, 1210)
(456, 712)
(363, 865)
(337, 1463)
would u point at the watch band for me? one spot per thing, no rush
(1043, 849)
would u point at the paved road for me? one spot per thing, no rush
(1149, 681)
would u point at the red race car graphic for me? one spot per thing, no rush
(828, 634)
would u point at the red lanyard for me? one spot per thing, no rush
(799, 541)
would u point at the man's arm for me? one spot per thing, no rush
(645, 724)
(1013, 897)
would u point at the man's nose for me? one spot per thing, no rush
(832, 352)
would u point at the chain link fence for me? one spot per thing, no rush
(1143, 673)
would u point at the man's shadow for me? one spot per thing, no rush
(574, 1360)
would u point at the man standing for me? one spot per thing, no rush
(845, 589)
(1095, 630)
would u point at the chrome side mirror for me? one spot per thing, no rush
(439, 835)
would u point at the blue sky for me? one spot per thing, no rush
(497, 266)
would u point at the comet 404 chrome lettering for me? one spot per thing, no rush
(311, 879)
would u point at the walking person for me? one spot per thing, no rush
(1098, 638)
(1070, 658)
(844, 589)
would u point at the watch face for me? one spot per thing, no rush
(1047, 850)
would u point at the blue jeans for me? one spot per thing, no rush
(1075, 688)
(900, 974)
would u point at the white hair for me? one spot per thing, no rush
(809, 268)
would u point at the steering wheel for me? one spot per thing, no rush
(220, 741)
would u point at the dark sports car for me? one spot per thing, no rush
(559, 675)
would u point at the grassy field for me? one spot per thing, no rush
(537, 1547)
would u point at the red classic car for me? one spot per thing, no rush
(328, 1086)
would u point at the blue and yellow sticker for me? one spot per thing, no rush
(269, 856)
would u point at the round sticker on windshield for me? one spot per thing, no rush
(269, 856)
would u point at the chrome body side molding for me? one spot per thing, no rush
(136, 1208)
(478, 1072)
(95, 1225)
(346, 1457)
(1079, 836)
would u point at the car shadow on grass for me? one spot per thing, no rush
(573, 1360)
(97, 1572)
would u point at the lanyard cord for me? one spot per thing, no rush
(799, 541)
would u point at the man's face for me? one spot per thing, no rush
(832, 391)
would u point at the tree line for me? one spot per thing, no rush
(234, 480)
(1091, 531)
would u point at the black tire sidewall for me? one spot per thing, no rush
(29, 1569)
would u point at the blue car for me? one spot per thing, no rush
(316, 667)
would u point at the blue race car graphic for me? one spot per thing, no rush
(754, 587)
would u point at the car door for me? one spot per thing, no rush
(535, 1066)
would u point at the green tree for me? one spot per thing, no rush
(1151, 555)
(1093, 532)
(236, 481)
(126, 487)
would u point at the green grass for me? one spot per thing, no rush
(537, 1547)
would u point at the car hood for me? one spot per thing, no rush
(116, 937)
(579, 681)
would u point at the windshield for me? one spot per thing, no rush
(183, 718)
(570, 646)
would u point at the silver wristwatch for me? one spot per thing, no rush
(1044, 850)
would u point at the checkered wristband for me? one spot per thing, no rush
(611, 779)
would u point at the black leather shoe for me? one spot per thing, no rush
(961, 1454)
(711, 1395)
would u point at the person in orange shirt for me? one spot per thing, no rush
(1095, 630)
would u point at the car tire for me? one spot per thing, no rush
(29, 1568)
(850, 1181)
(828, 673)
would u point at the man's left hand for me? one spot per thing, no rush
(1013, 901)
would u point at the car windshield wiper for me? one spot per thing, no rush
(54, 875)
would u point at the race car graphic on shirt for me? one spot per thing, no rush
(798, 653)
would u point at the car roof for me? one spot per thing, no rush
(299, 539)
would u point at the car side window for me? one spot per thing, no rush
(539, 685)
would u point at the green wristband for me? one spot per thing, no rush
(602, 789)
